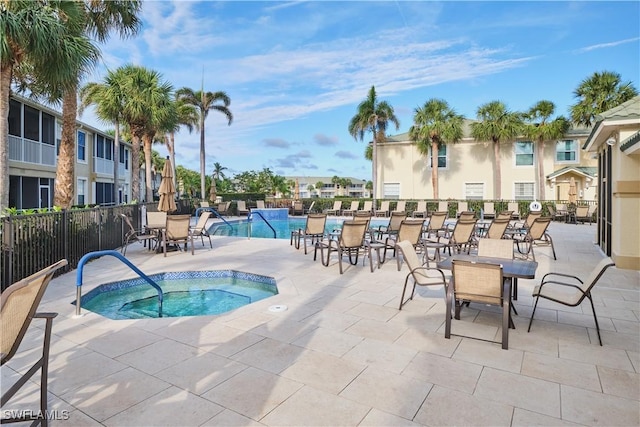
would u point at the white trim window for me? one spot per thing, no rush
(442, 156)
(391, 190)
(523, 153)
(82, 147)
(523, 190)
(82, 191)
(567, 151)
(473, 190)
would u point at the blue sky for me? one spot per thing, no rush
(296, 71)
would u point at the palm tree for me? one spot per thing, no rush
(218, 174)
(541, 128)
(100, 17)
(45, 46)
(599, 93)
(187, 117)
(205, 102)
(319, 186)
(498, 125)
(335, 180)
(373, 116)
(434, 125)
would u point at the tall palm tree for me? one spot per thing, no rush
(218, 174)
(598, 93)
(541, 128)
(205, 102)
(100, 18)
(498, 125)
(47, 47)
(435, 124)
(187, 117)
(373, 116)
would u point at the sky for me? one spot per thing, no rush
(296, 70)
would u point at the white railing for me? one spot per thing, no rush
(103, 166)
(29, 151)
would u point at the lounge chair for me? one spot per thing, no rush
(350, 243)
(367, 207)
(200, 229)
(478, 282)
(582, 214)
(411, 231)
(352, 210)
(177, 232)
(488, 210)
(314, 230)
(298, 208)
(223, 208)
(436, 226)
(495, 231)
(337, 207)
(260, 204)
(242, 208)
(466, 215)
(401, 206)
(393, 226)
(443, 206)
(505, 215)
(514, 207)
(570, 290)
(460, 237)
(421, 210)
(421, 274)
(555, 215)
(136, 235)
(462, 207)
(384, 209)
(18, 305)
(310, 209)
(536, 235)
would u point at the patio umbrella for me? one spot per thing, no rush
(572, 191)
(167, 190)
(296, 190)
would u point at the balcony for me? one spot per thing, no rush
(103, 166)
(29, 151)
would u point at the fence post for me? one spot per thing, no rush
(7, 251)
(65, 233)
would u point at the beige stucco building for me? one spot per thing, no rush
(615, 141)
(466, 169)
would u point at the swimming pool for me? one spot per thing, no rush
(189, 293)
(283, 228)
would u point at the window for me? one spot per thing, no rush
(566, 150)
(391, 190)
(82, 191)
(104, 193)
(523, 191)
(108, 149)
(100, 146)
(31, 123)
(82, 146)
(58, 137)
(48, 129)
(15, 118)
(524, 153)
(442, 157)
(474, 190)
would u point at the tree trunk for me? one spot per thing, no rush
(64, 186)
(147, 140)
(5, 94)
(434, 168)
(171, 144)
(116, 163)
(374, 174)
(540, 155)
(136, 132)
(213, 190)
(497, 172)
(202, 158)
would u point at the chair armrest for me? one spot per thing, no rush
(45, 315)
(561, 275)
(430, 268)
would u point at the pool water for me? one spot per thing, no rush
(283, 228)
(196, 293)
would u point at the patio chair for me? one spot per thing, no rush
(384, 209)
(393, 226)
(421, 210)
(488, 210)
(436, 226)
(505, 215)
(528, 221)
(177, 232)
(443, 206)
(466, 215)
(582, 214)
(314, 230)
(350, 242)
(223, 208)
(411, 231)
(460, 237)
(514, 207)
(298, 208)
(561, 208)
(352, 210)
(156, 220)
(481, 283)
(204, 204)
(337, 207)
(18, 305)
(421, 274)
(401, 206)
(200, 229)
(556, 215)
(260, 204)
(310, 209)
(136, 235)
(242, 208)
(462, 207)
(536, 235)
(570, 290)
(495, 231)
(495, 248)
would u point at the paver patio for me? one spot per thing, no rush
(342, 353)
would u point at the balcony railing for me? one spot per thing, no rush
(29, 151)
(103, 166)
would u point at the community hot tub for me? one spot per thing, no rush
(188, 293)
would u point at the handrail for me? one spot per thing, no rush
(264, 219)
(128, 263)
(220, 216)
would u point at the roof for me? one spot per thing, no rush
(586, 171)
(626, 113)
(313, 180)
(631, 144)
